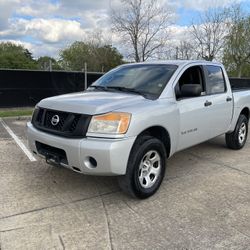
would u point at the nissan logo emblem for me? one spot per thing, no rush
(55, 120)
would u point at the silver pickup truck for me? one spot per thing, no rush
(136, 116)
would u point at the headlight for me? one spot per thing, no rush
(110, 123)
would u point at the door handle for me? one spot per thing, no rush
(229, 99)
(207, 103)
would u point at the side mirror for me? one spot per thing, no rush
(191, 90)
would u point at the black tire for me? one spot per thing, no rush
(144, 148)
(233, 139)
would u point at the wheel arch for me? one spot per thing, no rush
(160, 133)
(245, 111)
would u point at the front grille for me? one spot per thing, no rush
(74, 123)
(40, 116)
(62, 118)
(61, 123)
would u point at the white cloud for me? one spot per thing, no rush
(38, 8)
(46, 30)
(7, 7)
(202, 5)
(54, 30)
(84, 5)
(38, 49)
(94, 19)
(49, 26)
(76, 9)
(178, 32)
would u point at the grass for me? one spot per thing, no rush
(16, 112)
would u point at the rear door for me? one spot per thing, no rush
(220, 100)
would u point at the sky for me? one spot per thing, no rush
(47, 26)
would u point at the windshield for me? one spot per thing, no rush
(146, 79)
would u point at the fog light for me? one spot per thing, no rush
(93, 162)
(90, 162)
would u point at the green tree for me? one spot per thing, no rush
(14, 56)
(47, 63)
(98, 57)
(108, 58)
(237, 48)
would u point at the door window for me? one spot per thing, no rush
(216, 81)
(193, 75)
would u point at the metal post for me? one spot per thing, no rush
(50, 65)
(177, 53)
(85, 76)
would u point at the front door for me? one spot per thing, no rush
(195, 121)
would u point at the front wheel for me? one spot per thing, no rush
(146, 168)
(237, 139)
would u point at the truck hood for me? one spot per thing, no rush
(91, 102)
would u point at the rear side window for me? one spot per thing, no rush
(216, 81)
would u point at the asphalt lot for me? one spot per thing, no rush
(203, 203)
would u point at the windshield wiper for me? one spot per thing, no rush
(129, 90)
(99, 87)
(119, 88)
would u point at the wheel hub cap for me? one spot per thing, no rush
(242, 133)
(149, 169)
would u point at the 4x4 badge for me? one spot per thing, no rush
(55, 120)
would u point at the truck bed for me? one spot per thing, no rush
(239, 84)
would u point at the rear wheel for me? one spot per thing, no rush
(146, 168)
(237, 139)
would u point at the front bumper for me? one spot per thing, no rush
(111, 155)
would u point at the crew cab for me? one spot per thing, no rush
(134, 117)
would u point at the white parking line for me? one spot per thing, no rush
(18, 141)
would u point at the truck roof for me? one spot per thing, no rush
(178, 62)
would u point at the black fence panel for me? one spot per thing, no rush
(20, 88)
(24, 88)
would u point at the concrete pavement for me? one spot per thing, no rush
(203, 203)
